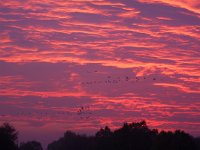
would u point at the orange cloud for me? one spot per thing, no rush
(192, 5)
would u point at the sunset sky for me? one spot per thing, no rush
(83, 64)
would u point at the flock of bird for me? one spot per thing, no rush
(83, 112)
(116, 80)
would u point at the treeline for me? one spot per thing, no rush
(133, 136)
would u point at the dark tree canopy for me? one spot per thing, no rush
(197, 142)
(178, 140)
(131, 136)
(8, 137)
(134, 136)
(32, 145)
(72, 141)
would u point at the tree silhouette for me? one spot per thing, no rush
(179, 140)
(197, 142)
(8, 137)
(32, 145)
(72, 141)
(135, 136)
(131, 136)
(104, 139)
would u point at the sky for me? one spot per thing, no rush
(83, 64)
